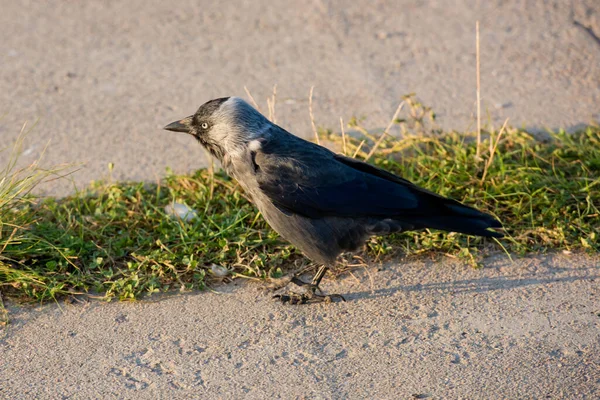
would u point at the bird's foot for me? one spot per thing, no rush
(310, 296)
(307, 298)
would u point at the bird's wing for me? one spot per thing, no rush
(302, 178)
(306, 179)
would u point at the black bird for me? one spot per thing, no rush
(323, 203)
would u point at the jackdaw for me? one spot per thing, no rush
(322, 202)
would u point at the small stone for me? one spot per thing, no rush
(219, 270)
(180, 211)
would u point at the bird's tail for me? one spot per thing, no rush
(463, 219)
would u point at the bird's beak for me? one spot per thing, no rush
(180, 126)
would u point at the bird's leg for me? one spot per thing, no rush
(316, 280)
(311, 295)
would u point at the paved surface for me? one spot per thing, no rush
(528, 329)
(103, 78)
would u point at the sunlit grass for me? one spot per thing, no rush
(17, 217)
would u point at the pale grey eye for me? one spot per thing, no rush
(204, 125)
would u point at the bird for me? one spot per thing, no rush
(322, 202)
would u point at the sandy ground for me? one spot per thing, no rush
(102, 78)
(523, 329)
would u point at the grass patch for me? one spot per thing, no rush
(117, 240)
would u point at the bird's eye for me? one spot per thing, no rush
(204, 125)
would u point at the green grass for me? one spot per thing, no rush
(115, 240)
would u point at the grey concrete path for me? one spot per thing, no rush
(439, 330)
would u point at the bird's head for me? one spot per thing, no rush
(223, 126)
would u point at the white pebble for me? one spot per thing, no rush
(219, 270)
(181, 211)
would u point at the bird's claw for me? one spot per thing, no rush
(308, 298)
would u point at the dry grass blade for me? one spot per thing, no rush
(478, 150)
(312, 117)
(358, 149)
(344, 149)
(493, 147)
(3, 312)
(385, 132)
(15, 184)
(254, 103)
(273, 97)
(270, 109)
